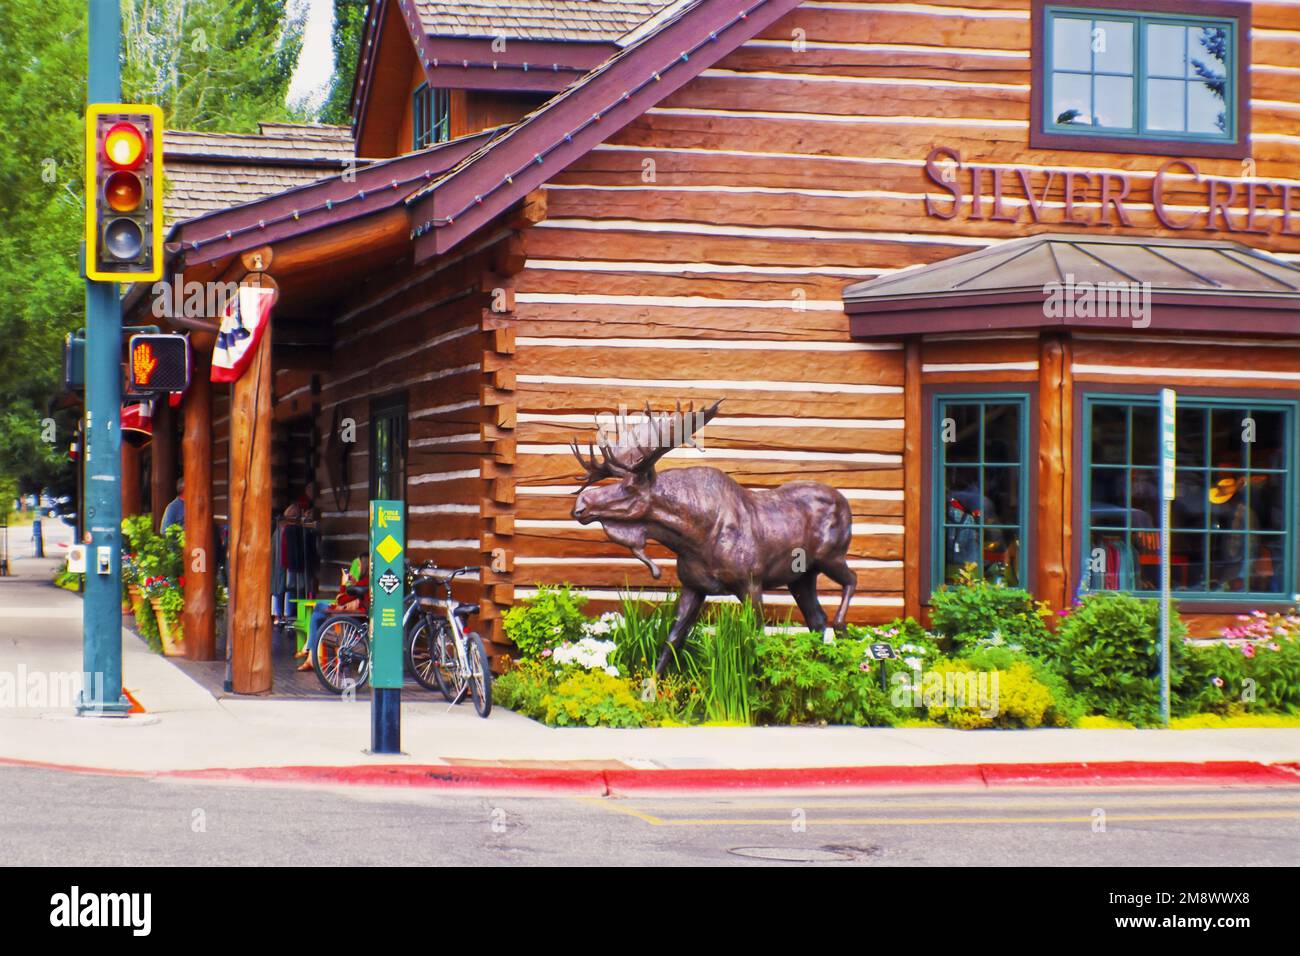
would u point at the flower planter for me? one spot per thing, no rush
(173, 640)
(137, 598)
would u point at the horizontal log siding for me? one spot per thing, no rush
(424, 335)
(702, 252)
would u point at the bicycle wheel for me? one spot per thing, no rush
(342, 658)
(480, 673)
(422, 653)
(447, 672)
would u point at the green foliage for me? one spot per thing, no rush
(213, 65)
(68, 580)
(723, 649)
(1259, 676)
(594, 698)
(551, 617)
(1108, 650)
(349, 19)
(641, 634)
(975, 611)
(1066, 708)
(803, 680)
(147, 624)
(973, 698)
(522, 687)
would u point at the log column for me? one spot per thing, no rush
(199, 616)
(250, 524)
(1052, 543)
(130, 480)
(913, 426)
(162, 447)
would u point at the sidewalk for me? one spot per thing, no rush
(187, 729)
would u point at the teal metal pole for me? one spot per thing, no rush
(102, 607)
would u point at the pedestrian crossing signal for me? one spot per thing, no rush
(124, 228)
(158, 363)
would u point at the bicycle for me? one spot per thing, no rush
(440, 653)
(342, 659)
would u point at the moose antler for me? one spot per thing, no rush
(607, 467)
(665, 431)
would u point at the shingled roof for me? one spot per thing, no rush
(210, 171)
(600, 21)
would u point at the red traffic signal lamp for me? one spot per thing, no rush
(124, 228)
(158, 363)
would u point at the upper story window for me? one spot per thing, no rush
(431, 116)
(1112, 77)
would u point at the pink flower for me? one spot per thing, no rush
(1274, 647)
(546, 653)
(865, 667)
(1218, 682)
(1248, 650)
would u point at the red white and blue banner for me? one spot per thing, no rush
(242, 325)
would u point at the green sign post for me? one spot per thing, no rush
(1168, 453)
(387, 596)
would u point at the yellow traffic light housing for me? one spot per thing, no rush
(124, 227)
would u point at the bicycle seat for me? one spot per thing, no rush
(466, 610)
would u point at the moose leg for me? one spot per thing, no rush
(804, 590)
(838, 570)
(689, 605)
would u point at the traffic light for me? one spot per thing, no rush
(158, 363)
(124, 228)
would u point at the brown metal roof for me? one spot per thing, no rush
(591, 20)
(1009, 284)
(1184, 265)
(210, 171)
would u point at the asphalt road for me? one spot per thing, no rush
(68, 819)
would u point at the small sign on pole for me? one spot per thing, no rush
(1168, 453)
(387, 596)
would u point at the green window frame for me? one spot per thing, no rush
(1149, 74)
(1233, 519)
(971, 474)
(430, 116)
(388, 448)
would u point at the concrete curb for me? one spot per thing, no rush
(614, 782)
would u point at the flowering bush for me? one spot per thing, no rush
(594, 698)
(550, 618)
(975, 611)
(1258, 668)
(588, 654)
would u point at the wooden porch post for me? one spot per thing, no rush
(199, 616)
(130, 480)
(250, 524)
(912, 478)
(1052, 545)
(162, 447)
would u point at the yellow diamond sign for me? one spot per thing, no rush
(389, 548)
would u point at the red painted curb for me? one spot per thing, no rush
(612, 782)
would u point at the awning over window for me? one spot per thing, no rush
(1074, 281)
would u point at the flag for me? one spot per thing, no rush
(242, 324)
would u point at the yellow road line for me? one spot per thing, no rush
(615, 807)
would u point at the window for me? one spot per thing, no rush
(1234, 497)
(431, 116)
(980, 474)
(388, 448)
(1109, 74)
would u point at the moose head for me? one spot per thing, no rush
(728, 539)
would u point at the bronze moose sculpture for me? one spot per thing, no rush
(728, 539)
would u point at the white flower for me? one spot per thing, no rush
(588, 653)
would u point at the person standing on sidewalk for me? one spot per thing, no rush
(175, 511)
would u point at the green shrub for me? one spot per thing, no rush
(974, 611)
(594, 698)
(1108, 650)
(1215, 680)
(1066, 709)
(551, 617)
(803, 680)
(1003, 698)
(522, 687)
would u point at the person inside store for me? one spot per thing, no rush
(175, 511)
(356, 575)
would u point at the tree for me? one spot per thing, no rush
(212, 65)
(349, 21)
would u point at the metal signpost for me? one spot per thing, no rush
(1167, 452)
(387, 596)
(102, 608)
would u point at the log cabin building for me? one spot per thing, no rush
(940, 255)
